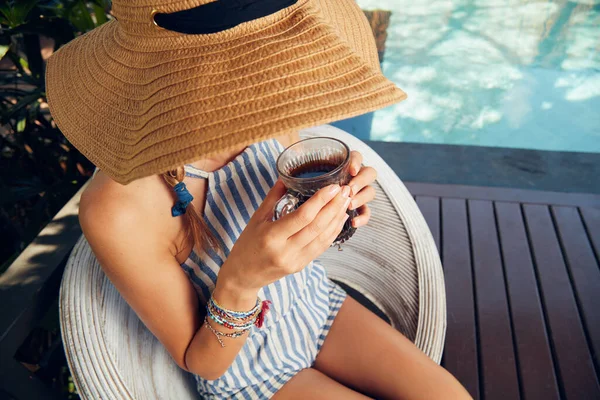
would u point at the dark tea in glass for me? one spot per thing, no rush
(309, 165)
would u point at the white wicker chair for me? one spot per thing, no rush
(393, 262)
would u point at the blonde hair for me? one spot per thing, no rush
(196, 228)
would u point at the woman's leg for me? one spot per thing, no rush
(363, 352)
(312, 384)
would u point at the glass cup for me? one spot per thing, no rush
(309, 165)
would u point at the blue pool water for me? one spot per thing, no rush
(518, 73)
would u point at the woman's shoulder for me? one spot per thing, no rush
(140, 209)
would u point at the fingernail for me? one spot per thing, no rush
(347, 202)
(356, 222)
(333, 189)
(352, 205)
(346, 191)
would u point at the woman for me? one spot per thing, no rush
(210, 93)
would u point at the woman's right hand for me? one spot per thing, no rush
(268, 250)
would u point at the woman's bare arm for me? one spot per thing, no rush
(132, 238)
(135, 255)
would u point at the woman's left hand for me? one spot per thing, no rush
(362, 192)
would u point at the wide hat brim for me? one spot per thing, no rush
(136, 105)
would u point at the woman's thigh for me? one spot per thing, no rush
(312, 384)
(364, 352)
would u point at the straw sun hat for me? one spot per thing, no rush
(138, 99)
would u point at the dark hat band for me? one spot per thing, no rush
(219, 15)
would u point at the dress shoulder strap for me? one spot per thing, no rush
(193, 172)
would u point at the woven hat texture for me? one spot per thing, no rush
(138, 100)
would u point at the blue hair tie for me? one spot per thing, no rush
(184, 198)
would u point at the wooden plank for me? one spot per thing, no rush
(497, 353)
(430, 208)
(28, 273)
(577, 378)
(460, 356)
(25, 289)
(584, 272)
(503, 194)
(591, 218)
(14, 377)
(534, 357)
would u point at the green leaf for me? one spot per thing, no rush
(25, 76)
(15, 13)
(100, 14)
(80, 17)
(15, 59)
(3, 50)
(21, 124)
(23, 62)
(6, 14)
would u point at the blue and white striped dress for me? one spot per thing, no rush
(304, 304)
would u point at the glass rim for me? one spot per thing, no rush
(320, 177)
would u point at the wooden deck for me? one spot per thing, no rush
(523, 289)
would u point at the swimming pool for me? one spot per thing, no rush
(522, 74)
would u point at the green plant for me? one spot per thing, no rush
(39, 169)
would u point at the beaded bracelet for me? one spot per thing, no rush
(218, 334)
(237, 314)
(239, 318)
(240, 321)
(212, 309)
(229, 325)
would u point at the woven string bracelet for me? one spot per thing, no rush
(239, 321)
(213, 308)
(238, 314)
(228, 325)
(218, 334)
